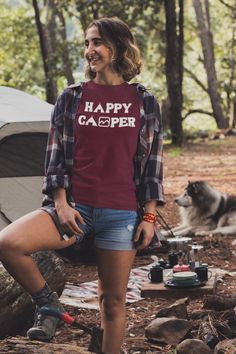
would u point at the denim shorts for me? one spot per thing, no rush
(113, 229)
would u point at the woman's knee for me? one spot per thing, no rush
(8, 245)
(112, 305)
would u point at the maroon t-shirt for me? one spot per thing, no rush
(106, 135)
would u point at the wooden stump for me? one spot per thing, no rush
(19, 345)
(16, 308)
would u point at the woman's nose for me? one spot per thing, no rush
(90, 49)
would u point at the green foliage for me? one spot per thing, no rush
(20, 59)
(225, 53)
(21, 62)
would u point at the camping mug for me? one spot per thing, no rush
(156, 274)
(202, 273)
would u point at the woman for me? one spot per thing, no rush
(103, 162)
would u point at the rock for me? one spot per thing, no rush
(169, 330)
(15, 304)
(178, 309)
(192, 346)
(227, 346)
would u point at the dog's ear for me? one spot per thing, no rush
(191, 189)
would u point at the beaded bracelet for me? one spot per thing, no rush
(149, 217)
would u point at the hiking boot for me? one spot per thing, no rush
(44, 326)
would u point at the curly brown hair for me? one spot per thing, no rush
(117, 36)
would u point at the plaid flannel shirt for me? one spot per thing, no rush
(59, 155)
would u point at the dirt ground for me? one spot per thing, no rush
(210, 160)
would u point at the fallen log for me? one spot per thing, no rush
(219, 302)
(16, 308)
(19, 345)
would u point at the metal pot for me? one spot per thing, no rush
(180, 247)
(180, 244)
(195, 255)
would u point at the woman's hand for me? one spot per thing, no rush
(68, 217)
(145, 231)
(66, 214)
(144, 234)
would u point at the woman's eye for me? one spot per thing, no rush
(98, 42)
(95, 42)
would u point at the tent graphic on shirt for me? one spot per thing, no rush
(24, 123)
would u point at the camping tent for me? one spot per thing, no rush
(24, 123)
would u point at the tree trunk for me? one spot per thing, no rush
(67, 65)
(174, 67)
(23, 346)
(48, 64)
(15, 304)
(206, 37)
(234, 115)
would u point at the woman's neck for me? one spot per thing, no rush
(114, 79)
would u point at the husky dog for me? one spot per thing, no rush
(205, 211)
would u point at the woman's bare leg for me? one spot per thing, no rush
(33, 232)
(113, 271)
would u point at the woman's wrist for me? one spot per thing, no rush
(150, 207)
(149, 217)
(59, 197)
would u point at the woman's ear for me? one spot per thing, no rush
(113, 52)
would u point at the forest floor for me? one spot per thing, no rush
(212, 160)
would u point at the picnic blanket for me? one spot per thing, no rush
(85, 295)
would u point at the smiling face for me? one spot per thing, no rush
(98, 55)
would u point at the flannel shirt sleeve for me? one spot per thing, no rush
(55, 168)
(151, 187)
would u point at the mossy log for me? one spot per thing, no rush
(19, 345)
(16, 308)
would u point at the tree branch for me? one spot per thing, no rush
(201, 111)
(227, 5)
(195, 78)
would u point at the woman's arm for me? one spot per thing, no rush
(150, 184)
(56, 180)
(150, 190)
(56, 175)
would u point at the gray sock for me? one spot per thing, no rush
(41, 297)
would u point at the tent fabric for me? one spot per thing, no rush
(3, 221)
(24, 124)
(20, 195)
(21, 155)
(19, 128)
(19, 106)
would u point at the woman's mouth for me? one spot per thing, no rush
(93, 60)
